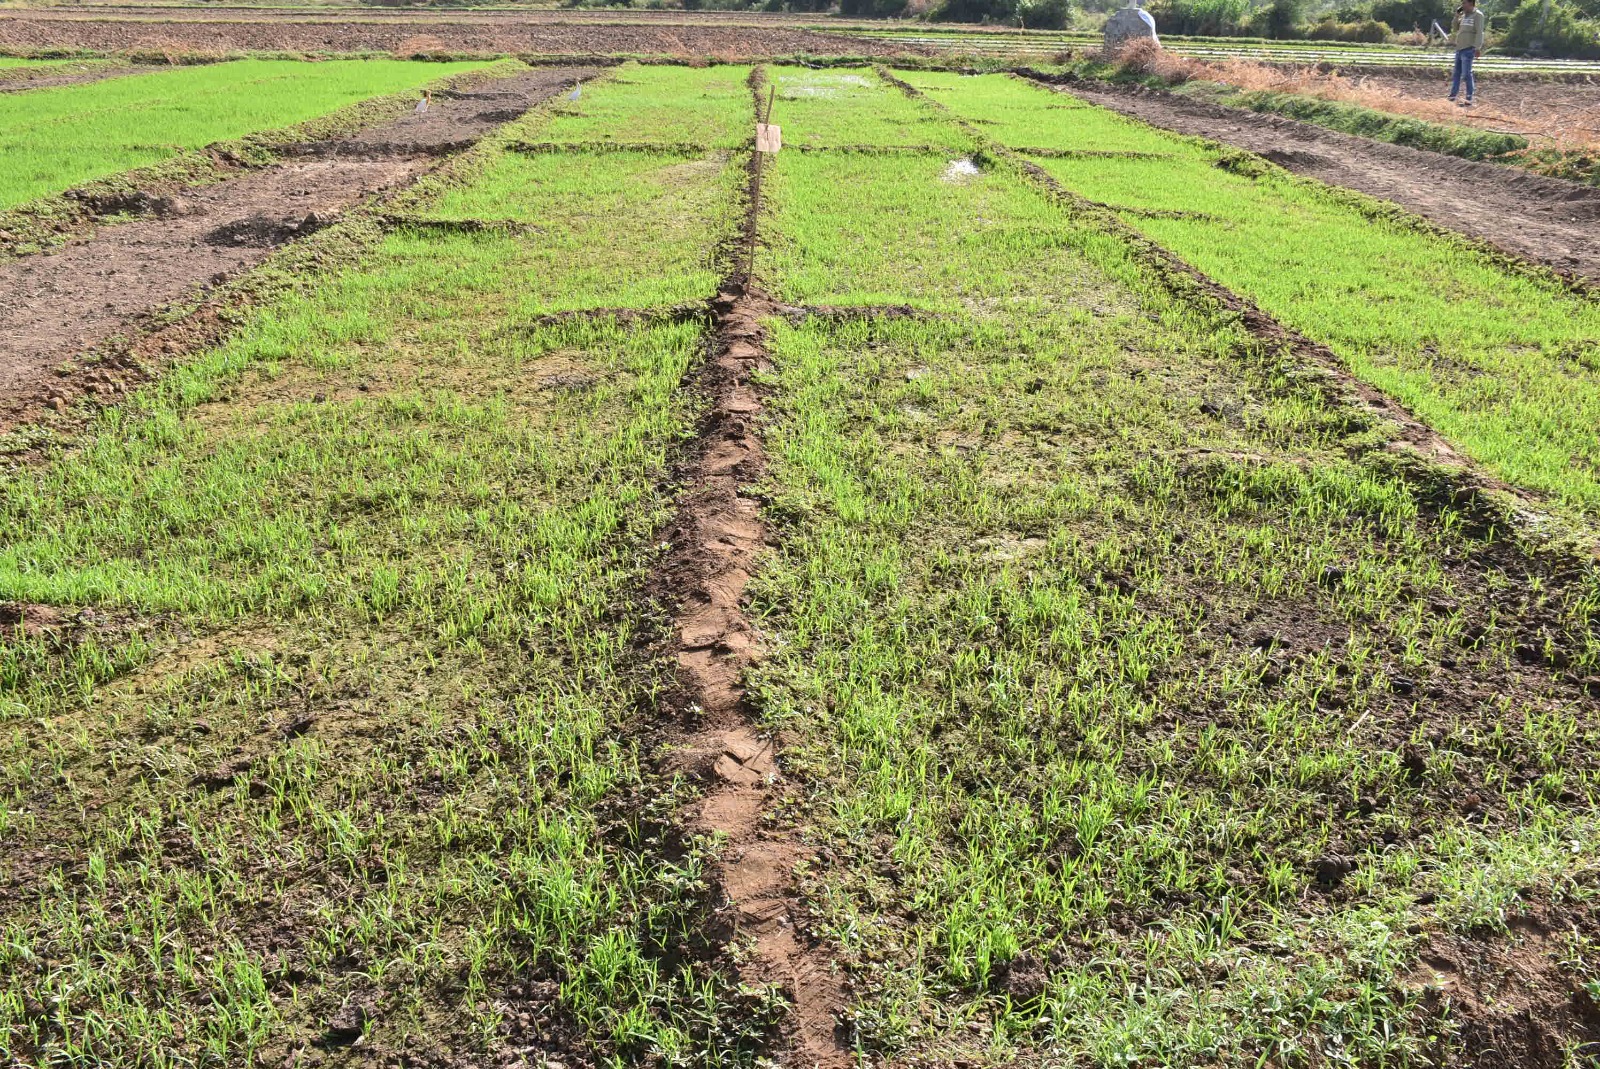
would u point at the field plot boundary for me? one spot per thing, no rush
(1369, 204)
(162, 337)
(1470, 485)
(74, 213)
(715, 542)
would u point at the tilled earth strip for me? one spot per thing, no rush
(19, 79)
(521, 34)
(61, 305)
(716, 539)
(718, 536)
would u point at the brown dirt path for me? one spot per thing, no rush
(1545, 220)
(57, 306)
(105, 32)
(716, 538)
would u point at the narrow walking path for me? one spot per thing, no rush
(716, 539)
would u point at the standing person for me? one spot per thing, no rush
(1466, 37)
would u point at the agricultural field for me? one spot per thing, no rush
(54, 139)
(992, 584)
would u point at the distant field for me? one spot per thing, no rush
(54, 139)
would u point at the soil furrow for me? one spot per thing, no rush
(716, 539)
(59, 306)
(522, 33)
(1546, 220)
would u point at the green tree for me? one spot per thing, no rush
(1559, 31)
(974, 11)
(1412, 14)
(1044, 14)
(871, 9)
(1281, 18)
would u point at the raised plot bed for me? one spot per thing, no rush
(330, 729)
(1139, 697)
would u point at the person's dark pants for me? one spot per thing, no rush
(1463, 73)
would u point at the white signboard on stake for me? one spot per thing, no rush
(769, 138)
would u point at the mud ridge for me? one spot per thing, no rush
(1508, 212)
(21, 79)
(110, 297)
(1091, 154)
(849, 313)
(1154, 213)
(716, 539)
(678, 313)
(880, 150)
(509, 227)
(372, 150)
(660, 148)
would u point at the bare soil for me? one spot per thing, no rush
(1545, 220)
(17, 79)
(59, 306)
(1515, 1005)
(1507, 90)
(1560, 111)
(510, 33)
(715, 538)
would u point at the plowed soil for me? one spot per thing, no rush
(1505, 90)
(16, 79)
(508, 34)
(56, 307)
(1545, 220)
